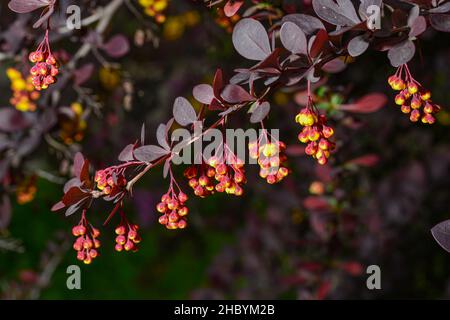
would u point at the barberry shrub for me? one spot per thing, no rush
(286, 49)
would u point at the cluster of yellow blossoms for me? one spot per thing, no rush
(155, 9)
(24, 95)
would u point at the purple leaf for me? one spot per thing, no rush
(440, 22)
(161, 136)
(260, 113)
(309, 24)
(233, 93)
(12, 120)
(83, 74)
(293, 38)
(357, 46)
(401, 53)
(5, 212)
(441, 233)
(341, 13)
(203, 93)
(250, 40)
(117, 46)
(418, 27)
(25, 6)
(78, 164)
(74, 182)
(441, 9)
(334, 66)
(183, 112)
(149, 153)
(127, 153)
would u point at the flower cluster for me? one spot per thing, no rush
(86, 243)
(26, 190)
(45, 67)
(225, 22)
(111, 180)
(413, 98)
(315, 133)
(24, 95)
(155, 9)
(73, 124)
(128, 237)
(216, 175)
(270, 157)
(173, 210)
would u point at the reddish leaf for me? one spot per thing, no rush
(184, 112)
(323, 290)
(316, 203)
(250, 39)
(232, 7)
(367, 104)
(83, 74)
(81, 167)
(218, 83)
(368, 160)
(58, 206)
(353, 268)
(117, 46)
(317, 43)
(73, 196)
(233, 93)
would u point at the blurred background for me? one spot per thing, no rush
(311, 237)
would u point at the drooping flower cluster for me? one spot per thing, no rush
(413, 98)
(173, 209)
(45, 67)
(128, 237)
(270, 157)
(217, 176)
(24, 95)
(111, 180)
(86, 243)
(155, 9)
(315, 133)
